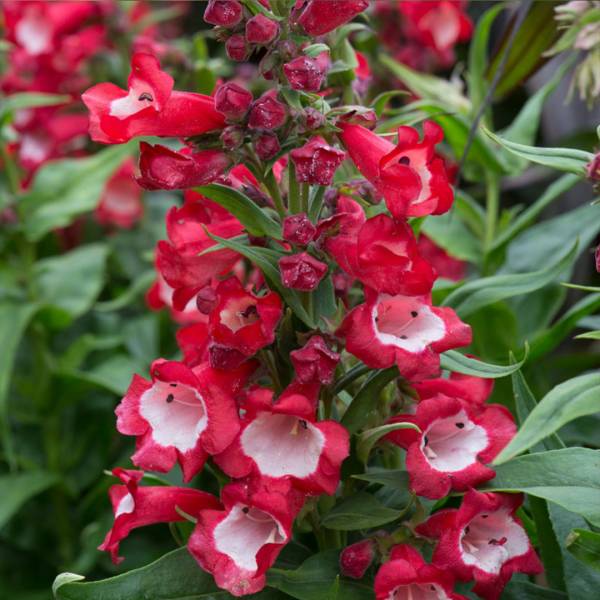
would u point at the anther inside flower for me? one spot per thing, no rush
(418, 591)
(239, 313)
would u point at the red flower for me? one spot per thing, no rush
(135, 506)
(266, 145)
(357, 558)
(445, 265)
(160, 295)
(149, 107)
(474, 390)
(298, 229)
(242, 321)
(407, 575)
(181, 416)
(410, 176)
(322, 16)
(482, 540)
(261, 30)
(437, 25)
(165, 169)
(301, 271)
(237, 545)
(225, 13)
(281, 439)
(406, 330)
(232, 101)
(316, 161)
(121, 200)
(456, 441)
(382, 253)
(236, 47)
(193, 342)
(315, 362)
(267, 112)
(306, 73)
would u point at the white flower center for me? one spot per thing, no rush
(404, 322)
(176, 413)
(283, 445)
(243, 532)
(492, 539)
(418, 591)
(126, 505)
(239, 313)
(453, 443)
(136, 100)
(34, 33)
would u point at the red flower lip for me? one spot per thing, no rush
(482, 540)
(181, 416)
(149, 107)
(406, 330)
(457, 440)
(281, 439)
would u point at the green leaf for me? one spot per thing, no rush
(567, 401)
(315, 579)
(523, 590)
(396, 479)
(138, 286)
(585, 545)
(29, 100)
(561, 159)
(252, 217)
(590, 335)
(174, 576)
(367, 439)
(365, 401)
(266, 261)
(452, 360)
(359, 511)
(569, 477)
(314, 50)
(69, 284)
(18, 488)
(64, 189)
(478, 293)
(382, 99)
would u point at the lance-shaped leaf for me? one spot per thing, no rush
(585, 545)
(30, 100)
(367, 439)
(452, 360)
(359, 511)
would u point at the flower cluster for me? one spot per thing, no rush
(274, 309)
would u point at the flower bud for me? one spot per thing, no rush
(356, 559)
(315, 362)
(225, 13)
(266, 145)
(267, 112)
(301, 271)
(232, 137)
(305, 73)
(206, 300)
(316, 161)
(312, 118)
(597, 257)
(233, 101)
(236, 47)
(297, 229)
(261, 30)
(593, 169)
(322, 16)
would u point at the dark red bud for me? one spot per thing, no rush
(597, 257)
(236, 47)
(297, 229)
(322, 16)
(315, 362)
(267, 112)
(301, 271)
(225, 13)
(232, 137)
(593, 169)
(266, 145)
(356, 559)
(313, 119)
(205, 300)
(261, 30)
(233, 101)
(305, 73)
(316, 161)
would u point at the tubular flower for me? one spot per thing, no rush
(410, 176)
(316, 161)
(180, 416)
(301, 271)
(315, 362)
(237, 545)
(405, 330)
(322, 16)
(482, 540)
(136, 506)
(164, 169)
(121, 200)
(357, 558)
(383, 254)
(455, 443)
(472, 390)
(281, 439)
(407, 576)
(179, 260)
(445, 265)
(242, 321)
(148, 107)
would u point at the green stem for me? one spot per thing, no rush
(305, 191)
(271, 185)
(316, 203)
(269, 362)
(12, 173)
(492, 207)
(293, 190)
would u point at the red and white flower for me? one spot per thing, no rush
(482, 540)
(148, 107)
(181, 415)
(403, 330)
(282, 439)
(473, 390)
(455, 443)
(237, 545)
(406, 576)
(135, 506)
(410, 176)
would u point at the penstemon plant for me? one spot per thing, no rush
(351, 405)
